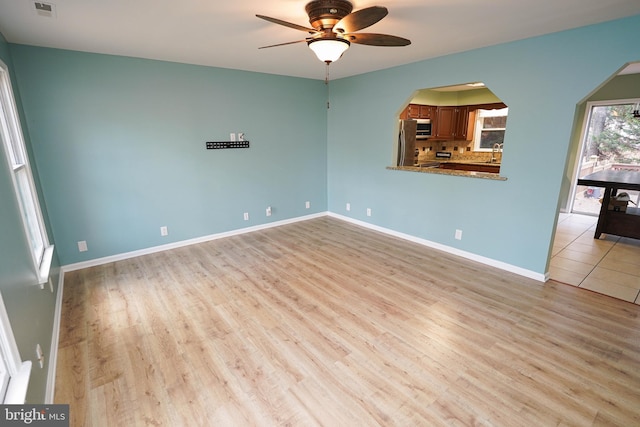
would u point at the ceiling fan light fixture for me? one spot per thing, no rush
(329, 50)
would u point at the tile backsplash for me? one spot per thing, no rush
(460, 150)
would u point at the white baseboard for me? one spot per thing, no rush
(182, 243)
(454, 251)
(55, 339)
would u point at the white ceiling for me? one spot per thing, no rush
(227, 33)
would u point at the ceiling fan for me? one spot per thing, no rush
(334, 26)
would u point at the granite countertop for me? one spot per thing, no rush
(468, 174)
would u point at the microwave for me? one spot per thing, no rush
(424, 129)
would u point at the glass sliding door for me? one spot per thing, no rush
(611, 140)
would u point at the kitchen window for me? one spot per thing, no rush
(13, 141)
(490, 129)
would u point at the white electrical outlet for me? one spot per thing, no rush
(40, 356)
(458, 235)
(268, 210)
(164, 231)
(246, 216)
(307, 205)
(232, 137)
(368, 211)
(240, 136)
(82, 246)
(348, 206)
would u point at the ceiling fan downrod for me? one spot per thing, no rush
(326, 81)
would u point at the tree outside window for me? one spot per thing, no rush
(614, 134)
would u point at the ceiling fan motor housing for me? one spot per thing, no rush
(324, 14)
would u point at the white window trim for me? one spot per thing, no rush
(42, 263)
(19, 371)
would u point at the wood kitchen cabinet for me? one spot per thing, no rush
(445, 122)
(462, 121)
(417, 111)
(471, 167)
(428, 112)
(453, 123)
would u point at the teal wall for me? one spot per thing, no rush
(541, 79)
(30, 309)
(120, 146)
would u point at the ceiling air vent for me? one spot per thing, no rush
(45, 9)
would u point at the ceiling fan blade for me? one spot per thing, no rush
(360, 19)
(373, 39)
(284, 44)
(287, 24)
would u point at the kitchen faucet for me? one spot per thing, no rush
(497, 147)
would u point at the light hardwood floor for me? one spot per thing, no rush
(325, 323)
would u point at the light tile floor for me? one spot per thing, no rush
(609, 265)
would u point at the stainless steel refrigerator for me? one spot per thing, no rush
(407, 143)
